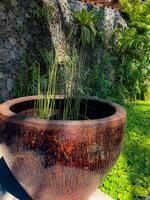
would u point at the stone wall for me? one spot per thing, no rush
(62, 20)
(20, 32)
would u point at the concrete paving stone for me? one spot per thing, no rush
(98, 195)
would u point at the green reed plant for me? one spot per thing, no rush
(69, 76)
(46, 102)
(71, 108)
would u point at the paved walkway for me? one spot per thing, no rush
(96, 196)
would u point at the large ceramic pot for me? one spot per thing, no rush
(61, 160)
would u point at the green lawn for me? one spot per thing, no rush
(130, 177)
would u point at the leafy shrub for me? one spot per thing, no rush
(27, 76)
(26, 79)
(128, 53)
(134, 49)
(89, 29)
(42, 12)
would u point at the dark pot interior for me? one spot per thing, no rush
(95, 109)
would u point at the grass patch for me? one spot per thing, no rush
(130, 177)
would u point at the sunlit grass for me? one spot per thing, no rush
(130, 177)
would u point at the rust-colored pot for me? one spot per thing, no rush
(61, 160)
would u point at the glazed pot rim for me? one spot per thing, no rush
(7, 114)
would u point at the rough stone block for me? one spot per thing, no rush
(14, 3)
(10, 84)
(4, 56)
(2, 15)
(12, 41)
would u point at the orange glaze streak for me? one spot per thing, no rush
(27, 157)
(62, 149)
(58, 170)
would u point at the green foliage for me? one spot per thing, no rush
(131, 173)
(128, 53)
(88, 26)
(46, 102)
(42, 13)
(42, 75)
(134, 48)
(26, 80)
(139, 14)
(27, 76)
(71, 74)
(121, 72)
(99, 82)
(91, 37)
(64, 80)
